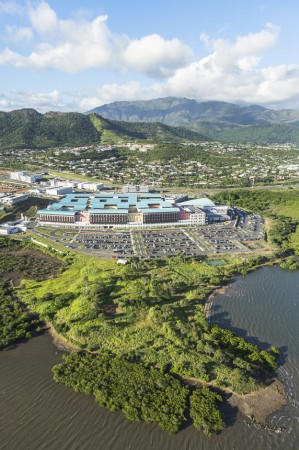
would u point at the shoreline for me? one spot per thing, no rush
(259, 405)
(220, 290)
(59, 341)
(255, 406)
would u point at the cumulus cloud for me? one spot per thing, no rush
(231, 72)
(43, 18)
(131, 90)
(73, 45)
(155, 54)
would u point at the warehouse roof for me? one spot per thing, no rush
(201, 202)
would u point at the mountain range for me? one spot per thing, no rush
(170, 119)
(27, 128)
(225, 122)
(183, 111)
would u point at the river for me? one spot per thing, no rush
(36, 413)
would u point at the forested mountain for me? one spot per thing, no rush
(27, 128)
(224, 122)
(114, 131)
(265, 134)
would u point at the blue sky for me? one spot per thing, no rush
(74, 55)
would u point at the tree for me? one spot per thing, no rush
(204, 412)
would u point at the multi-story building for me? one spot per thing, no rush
(111, 209)
(24, 177)
(126, 209)
(59, 191)
(13, 199)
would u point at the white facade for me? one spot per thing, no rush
(198, 218)
(93, 187)
(17, 175)
(12, 199)
(57, 191)
(62, 183)
(6, 229)
(130, 188)
(24, 177)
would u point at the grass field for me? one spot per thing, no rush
(75, 176)
(152, 312)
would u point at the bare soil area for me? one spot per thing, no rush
(258, 405)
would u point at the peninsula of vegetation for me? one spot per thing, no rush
(143, 343)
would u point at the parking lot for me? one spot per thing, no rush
(106, 243)
(159, 243)
(149, 243)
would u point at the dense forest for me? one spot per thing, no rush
(15, 323)
(141, 393)
(26, 128)
(19, 260)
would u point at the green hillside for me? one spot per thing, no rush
(115, 131)
(219, 121)
(257, 134)
(27, 128)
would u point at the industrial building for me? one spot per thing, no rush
(25, 177)
(130, 188)
(109, 209)
(86, 186)
(212, 212)
(19, 226)
(59, 191)
(13, 199)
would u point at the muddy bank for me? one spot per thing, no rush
(209, 302)
(59, 341)
(260, 404)
(256, 406)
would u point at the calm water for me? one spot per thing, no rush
(36, 413)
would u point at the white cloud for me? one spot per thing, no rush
(7, 56)
(77, 44)
(155, 54)
(10, 7)
(231, 72)
(43, 18)
(43, 101)
(36, 98)
(18, 34)
(132, 90)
